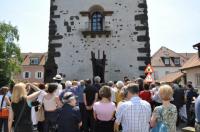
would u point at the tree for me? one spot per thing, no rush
(10, 55)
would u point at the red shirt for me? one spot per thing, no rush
(145, 95)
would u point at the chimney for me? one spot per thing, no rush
(197, 47)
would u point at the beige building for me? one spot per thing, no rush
(165, 61)
(192, 68)
(32, 67)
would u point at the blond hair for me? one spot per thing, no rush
(165, 92)
(19, 91)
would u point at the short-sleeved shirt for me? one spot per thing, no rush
(168, 115)
(79, 92)
(90, 93)
(134, 115)
(69, 119)
(104, 111)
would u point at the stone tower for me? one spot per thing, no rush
(109, 38)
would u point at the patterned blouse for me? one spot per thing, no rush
(169, 116)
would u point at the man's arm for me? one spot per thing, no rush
(116, 127)
(96, 98)
(10, 119)
(119, 114)
(84, 99)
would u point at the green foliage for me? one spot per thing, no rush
(10, 55)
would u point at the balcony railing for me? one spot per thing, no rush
(87, 30)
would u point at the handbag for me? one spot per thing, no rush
(40, 112)
(160, 126)
(4, 112)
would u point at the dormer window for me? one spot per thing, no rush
(34, 61)
(97, 22)
(177, 61)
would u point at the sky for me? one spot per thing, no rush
(174, 24)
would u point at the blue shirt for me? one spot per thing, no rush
(197, 109)
(79, 92)
(68, 89)
(69, 119)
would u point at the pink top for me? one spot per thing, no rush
(104, 111)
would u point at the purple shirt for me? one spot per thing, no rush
(104, 111)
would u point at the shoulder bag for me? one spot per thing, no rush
(160, 126)
(40, 112)
(4, 112)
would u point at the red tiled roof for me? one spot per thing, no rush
(187, 55)
(194, 61)
(26, 58)
(156, 59)
(172, 77)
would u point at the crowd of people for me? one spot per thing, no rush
(83, 106)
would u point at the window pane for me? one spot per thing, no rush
(198, 79)
(177, 61)
(97, 21)
(167, 61)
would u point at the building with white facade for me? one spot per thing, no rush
(166, 61)
(109, 38)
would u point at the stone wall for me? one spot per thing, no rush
(126, 45)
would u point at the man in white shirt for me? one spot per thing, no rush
(134, 115)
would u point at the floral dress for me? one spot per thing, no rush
(168, 115)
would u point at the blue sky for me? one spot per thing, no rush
(172, 23)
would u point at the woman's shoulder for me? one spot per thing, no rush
(112, 103)
(97, 103)
(157, 108)
(172, 107)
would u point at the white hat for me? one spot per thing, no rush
(58, 77)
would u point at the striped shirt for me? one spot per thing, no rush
(134, 115)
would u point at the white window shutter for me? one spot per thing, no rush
(36, 75)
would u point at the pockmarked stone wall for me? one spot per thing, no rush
(124, 38)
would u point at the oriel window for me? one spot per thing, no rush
(97, 22)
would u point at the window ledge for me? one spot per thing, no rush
(95, 33)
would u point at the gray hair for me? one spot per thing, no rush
(97, 79)
(120, 84)
(110, 83)
(68, 84)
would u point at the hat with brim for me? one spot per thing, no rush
(58, 77)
